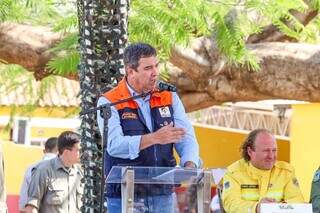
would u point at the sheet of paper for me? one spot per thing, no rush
(286, 208)
(218, 174)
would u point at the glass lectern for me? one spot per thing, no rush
(144, 181)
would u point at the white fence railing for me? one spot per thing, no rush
(278, 121)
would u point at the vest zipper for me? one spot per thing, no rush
(155, 154)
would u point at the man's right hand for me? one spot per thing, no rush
(169, 134)
(31, 209)
(265, 200)
(165, 135)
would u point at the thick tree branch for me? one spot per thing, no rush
(288, 71)
(28, 46)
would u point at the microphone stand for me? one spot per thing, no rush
(105, 112)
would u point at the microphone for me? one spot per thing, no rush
(163, 86)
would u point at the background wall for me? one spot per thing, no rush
(220, 147)
(17, 158)
(305, 143)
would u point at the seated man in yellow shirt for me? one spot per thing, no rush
(258, 177)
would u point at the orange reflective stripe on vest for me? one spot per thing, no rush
(121, 92)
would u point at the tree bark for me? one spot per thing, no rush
(28, 46)
(202, 75)
(288, 71)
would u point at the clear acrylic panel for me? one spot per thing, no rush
(161, 189)
(156, 175)
(183, 199)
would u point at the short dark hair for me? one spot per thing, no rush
(135, 51)
(66, 140)
(250, 142)
(51, 144)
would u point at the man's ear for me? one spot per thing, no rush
(249, 151)
(129, 70)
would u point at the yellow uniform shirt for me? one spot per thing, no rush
(244, 186)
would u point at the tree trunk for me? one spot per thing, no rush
(288, 70)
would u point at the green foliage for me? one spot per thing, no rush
(12, 73)
(11, 10)
(16, 81)
(38, 12)
(312, 32)
(315, 4)
(64, 65)
(14, 78)
(162, 23)
(165, 23)
(67, 24)
(5, 6)
(69, 43)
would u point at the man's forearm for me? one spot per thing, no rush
(147, 140)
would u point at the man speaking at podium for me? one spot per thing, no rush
(144, 131)
(258, 177)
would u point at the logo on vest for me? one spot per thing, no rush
(129, 115)
(165, 112)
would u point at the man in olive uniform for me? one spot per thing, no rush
(315, 192)
(56, 186)
(50, 151)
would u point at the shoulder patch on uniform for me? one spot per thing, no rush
(226, 185)
(295, 182)
(316, 176)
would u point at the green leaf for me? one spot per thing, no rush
(64, 65)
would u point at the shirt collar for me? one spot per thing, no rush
(255, 171)
(57, 164)
(48, 156)
(131, 90)
(134, 93)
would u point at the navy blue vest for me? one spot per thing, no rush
(132, 124)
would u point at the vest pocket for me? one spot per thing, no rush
(56, 193)
(55, 197)
(166, 155)
(133, 127)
